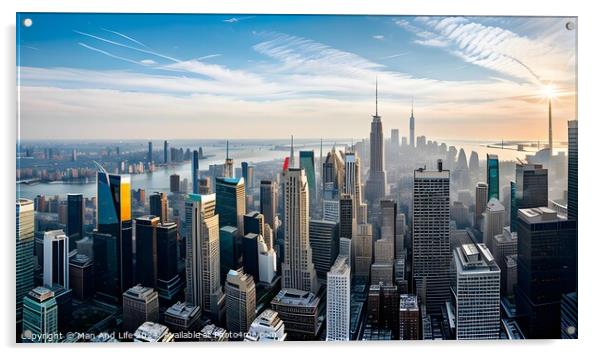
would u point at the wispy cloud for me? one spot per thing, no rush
(108, 53)
(237, 19)
(126, 37)
(378, 37)
(395, 55)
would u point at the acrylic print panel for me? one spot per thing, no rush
(286, 177)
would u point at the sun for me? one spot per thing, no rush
(549, 91)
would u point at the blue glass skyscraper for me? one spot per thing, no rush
(493, 177)
(195, 172)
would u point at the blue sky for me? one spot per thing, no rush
(255, 76)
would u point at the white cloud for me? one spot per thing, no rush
(378, 37)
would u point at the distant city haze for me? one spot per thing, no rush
(113, 76)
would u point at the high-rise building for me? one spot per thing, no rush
(114, 272)
(147, 250)
(353, 183)
(531, 186)
(383, 308)
(158, 206)
(377, 180)
(75, 219)
(395, 139)
(494, 219)
(361, 257)
(431, 251)
(40, 316)
(228, 250)
(324, 241)
(81, 276)
(409, 317)
(253, 223)
(174, 183)
(504, 249)
(166, 155)
(388, 228)
(266, 260)
(203, 286)
(268, 203)
(205, 185)
(480, 203)
(140, 304)
(412, 132)
(338, 300)
(231, 203)
(266, 327)
(149, 155)
(333, 172)
(297, 267)
(493, 177)
(573, 164)
(547, 266)
(306, 162)
(195, 171)
(568, 316)
(346, 216)
(250, 255)
(476, 290)
(24, 252)
(56, 259)
(240, 301)
(300, 313)
(183, 317)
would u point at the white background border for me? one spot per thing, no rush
(589, 43)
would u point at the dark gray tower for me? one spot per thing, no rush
(412, 143)
(376, 184)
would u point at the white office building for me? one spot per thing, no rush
(338, 300)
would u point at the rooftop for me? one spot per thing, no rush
(540, 215)
(139, 292)
(151, 332)
(40, 294)
(407, 302)
(475, 258)
(494, 205)
(182, 310)
(296, 297)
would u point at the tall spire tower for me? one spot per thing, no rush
(412, 144)
(376, 183)
(229, 164)
(291, 160)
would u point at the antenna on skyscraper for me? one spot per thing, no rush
(412, 106)
(292, 157)
(376, 96)
(227, 149)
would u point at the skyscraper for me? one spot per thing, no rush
(231, 204)
(361, 258)
(531, 186)
(24, 252)
(240, 301)
(494, 219)
(40, 316)
(480, 203)
(147, 250)
(338, 300)
(376, 184)
(140, 304)
(476, 289)
(250, 254)
(297, 267)
(158, 206)
(174, 183)
(493, 177)
(547, 250)
(149, 155)
(395, 139)
(431, 251)
(81, 276)
(115, 273)
(203, 286)
(75, 218)
(268, 203)
(409, 317)
(412, 133)
(333, 171)
(266, 327)
(195, 171)
(166, 155)
(324, 241)
(306, 162)
(573, 164)
(56, 259)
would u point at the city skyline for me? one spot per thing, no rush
(270, 72)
